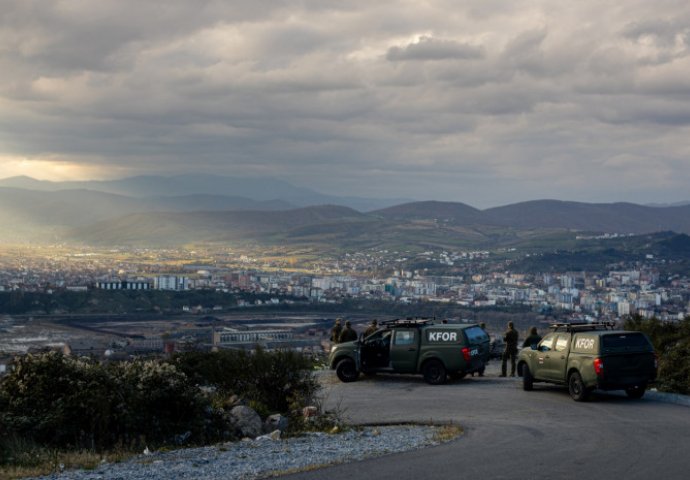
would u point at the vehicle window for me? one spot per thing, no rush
(546, 343)
(621, 340)
(561, 343)
(476, 335)
(404, 337)
(374, 337)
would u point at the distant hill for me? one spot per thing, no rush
(453, 212)
(590, 217)
(257, 189)
(166, 228)
(30, 214)
(104, 218)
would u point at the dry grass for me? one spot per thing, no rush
(447, 433)
(46, 462)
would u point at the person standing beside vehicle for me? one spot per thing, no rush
(511, 338)
(532, 339)
(336, 330)
(348, 334)
(372, 328)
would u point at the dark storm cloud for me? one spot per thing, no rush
(486, 103)
(428, 48)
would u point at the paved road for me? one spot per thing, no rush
(512, 434)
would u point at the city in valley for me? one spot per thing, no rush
(123, 302)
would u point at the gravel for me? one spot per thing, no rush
(250, 459)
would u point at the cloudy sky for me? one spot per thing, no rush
(486, 102)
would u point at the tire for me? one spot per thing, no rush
(346, 370)
(577, 388)
(434, 372)
(636, 392)
(527, 379)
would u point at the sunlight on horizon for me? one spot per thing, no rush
(51, 169)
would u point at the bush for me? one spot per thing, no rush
(51, 400)
(65, 402)
(272, 381)
(671, 341)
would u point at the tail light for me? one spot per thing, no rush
(598, 366)
(466, 354)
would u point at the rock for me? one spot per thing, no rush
(310, 411)
(246, 421)
(275, 422)
(273, 436)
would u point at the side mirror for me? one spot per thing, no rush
(533, 346)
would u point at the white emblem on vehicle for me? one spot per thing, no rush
(584, 343)
(443, 336)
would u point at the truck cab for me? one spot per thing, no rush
(590, 356)
(414, 346)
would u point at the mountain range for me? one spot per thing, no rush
(157, 211)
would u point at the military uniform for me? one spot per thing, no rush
(348, 334)
(511, 339)
(372, 328)
(335, 331)
(532, 339)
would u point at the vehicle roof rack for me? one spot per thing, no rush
(580, 326)
(409, 322)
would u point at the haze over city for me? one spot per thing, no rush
(487, 103)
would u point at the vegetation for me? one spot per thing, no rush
(54, 407)
(119, 301)
(671, 341)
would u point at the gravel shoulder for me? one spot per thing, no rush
(252, 459)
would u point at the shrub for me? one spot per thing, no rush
(671, 341)
(271, 380)
(61, 401)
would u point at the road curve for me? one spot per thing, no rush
(513, 434)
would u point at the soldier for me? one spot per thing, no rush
(532, 339)
(372, 328)
(335, 331)
(511, 339)
(348, 334)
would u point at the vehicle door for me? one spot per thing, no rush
(555, 360)
(405, 349)
(544, 350)
(375, 350)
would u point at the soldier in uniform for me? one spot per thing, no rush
(336, 330)
(532, 339)
(511, 339)
(372, 328)
(348, 334)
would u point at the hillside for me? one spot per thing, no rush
(174, 228)
(591, 217)
(450, 212)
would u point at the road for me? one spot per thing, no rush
(513, 434)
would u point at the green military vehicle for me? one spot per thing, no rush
(590, 356)
(414, 346)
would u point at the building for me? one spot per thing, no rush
(171, 282)
(231, 336)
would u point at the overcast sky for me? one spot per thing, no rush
(486, 102)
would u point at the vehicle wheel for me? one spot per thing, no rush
(346, 370)
(636, 392)
(576, 387)
(434, 372)
(527, 379)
